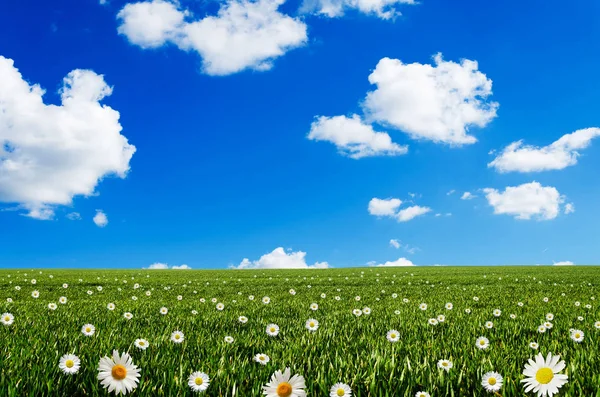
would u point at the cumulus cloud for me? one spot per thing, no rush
(158, 266)
(181, 267)
(100, 219)
(280, 259)
(406, 214)
(467, 196)
(560, 154)
(74, 216)
(395, 243)
(438, 102)
(243, 35)
(526, 201)
(384, 9)
(50, 154)
(384, 207)
(398, 262)
(564, 263)
(353, 137)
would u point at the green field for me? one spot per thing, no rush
(345, 348)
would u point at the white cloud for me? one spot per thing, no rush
(569, 208)
(74, 216)
(384, 207)
(438, 103)
(50, 154)
(158, 266)
(394, 243)
(384, 9)
(182, 267)
(450, 192)
(243, 35)
(406, 214)
(279, 259)
(467, 196)
(100, 219)
(354, 138)
(398, 262)
(564, 263)
(526, 201)
(560, 154)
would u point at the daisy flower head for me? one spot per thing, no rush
(177, 337)
(251, 297)
(597, 324)
(366, 310)
(52, 306)
(468, 311)
(393, 336)
(88, 330)
(520, 304)
(446, 365)
(164, 310)
(512, 316)
(476, 298)
(35, 294)
(69, 364)
(497, 312)
(243, 319)
(118, 373)
(110, 306)
(397, 312)
(198, 382)
(262, 358)
(229, 339)
(548, 324)
(292, 291)
(213, 300)
(422, 394)
(312, 325)
(357, 298)
(7, 319)
(433, 321)
(489, 324)
(62, 300)
(482, 343)
(266, 300)
(128, 315)
(441, 318)
(314, 307)
(534, 345)
(272, 329)
(549, 316)
(449, 306)
(179, 297)
(282, 384)
(579, 318)
(577, 335)
(492, 382)
(357, 312)
(423, 306)
(340, 390)
(543, 377)
(65, 286)
(323, 296)
(220, 306)
(546, 299)
(141, 344)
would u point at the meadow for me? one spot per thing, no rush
(347, 346)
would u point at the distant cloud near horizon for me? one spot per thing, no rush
(280, 259)
(164, 266)
(564, 263)
(400, 262)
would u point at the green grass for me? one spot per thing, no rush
(345, 348)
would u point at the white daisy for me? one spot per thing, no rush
(534, 345)
(177, 337)
(543, 376)
(468, 311)
(492, 381)
(482, 343)
(489, 324)
(597, 324)
(433, 321)
(52, 306)
(449, 306)
(198, 381)
(441, 318)
(62, 300)
(541, 329)
(366, 311)
(285, 385)
(446, 365)
(272, 329)
(69, 364)
(266, 300)
(243, 319)
(262, 359)
(577, 335)
(423, 306)
(393, 335)
(88, 330)
(513, 316)
(118, 373)
(314, 307)
(357, 312)
(7, 319)
(340, 390)
(229, 339)
(549, 316)
(312, 324)
(422, 394)
(548, 324)
(497, 312)
(141, 344)
(35, 294)
(128, 315)
(220, 306)
(164, 310)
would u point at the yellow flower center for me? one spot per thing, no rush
(284, 389)
(312, 324)
(119, 372)
(341, 392)
(69, 363)
(544, 375)
(482, 342)
(199, 381)
(6, 318)
(392, 336)
(272, 329)
(492, 381)
(142, 343)
(445, 364)
(177, 336)
(261, 358)
(88, 329)
(577, 335)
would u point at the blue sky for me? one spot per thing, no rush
(223, 167)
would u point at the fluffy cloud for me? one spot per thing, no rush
(158, 266)
(394, 243)
(406, 214)
(384, 9)
(398, 262)
(182, 267)
(50, 154)
(74, 216)
(354, 138)
(526, 201)
(243, 35)
(100, 219)
(467, 196)
(560, 154)
(279, 259)
(569, 208)
(438, 103)
(564, 263)
(384, 207)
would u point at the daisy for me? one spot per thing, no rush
(541, 329)
(281, 385)
(497, 312)
(177, 337)
(323, 296)
(441, 318)
(397, 312)
(52, 306)
(118, 373)
(393, 336)
(198, 381)
(88, 330)
(548, 324)
(520, 304)
(266, 300)
(492, 382)
(7, 319)
(312, 324)
(194, 312)
(543, 375)
(489, 324)
(314, 307)
(549, 316)
(35, 294)
(534, 345)
(262, 359)
(62, 300)
(446, 365)
(243, 319)
(357, 312)
(141, 344)
(468, 311)
(422, 394)
(65, 286)
(213, 300)
(482, 343)
(69, 364)
(513, 316)
(340, 390)
(357, 298)
(110, 306)
(476, 298)
(164, 310)
(220, 306)
(272, 329)
(366, 311)
(449, 306)
(577, 335)
(179, 297)
(229, 339)
(251, 297)
(597, 324)
(128, 315)
(423, 306)
(580, 318)
(433, 321)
